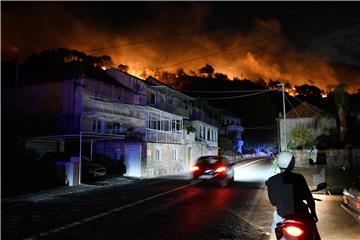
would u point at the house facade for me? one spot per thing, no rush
(140, 122)
(231, 128)
(86, 116)
(307, 115)
(204, 141)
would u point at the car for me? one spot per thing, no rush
(213, 168)
(53, 161)
(351, 203)
(92, 169)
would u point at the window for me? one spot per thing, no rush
(157, 155)
(94, 125)
(174, 154)
(98, 125)
(152, 98)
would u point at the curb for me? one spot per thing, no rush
(61, 191)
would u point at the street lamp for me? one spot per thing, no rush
(284, 113)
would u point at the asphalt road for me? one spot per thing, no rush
(166, 208)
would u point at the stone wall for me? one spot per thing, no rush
(166, 164)
(329, 158)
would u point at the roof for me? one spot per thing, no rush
(304, 110)
(163, 87)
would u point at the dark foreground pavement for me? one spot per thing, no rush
(168, 208)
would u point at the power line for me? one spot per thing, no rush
(312, 110)
(292, 107)
(224, 91)
(241, 96)
(220, 52)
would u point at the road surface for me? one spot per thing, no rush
(162, 208)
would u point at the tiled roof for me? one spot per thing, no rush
(304, 110)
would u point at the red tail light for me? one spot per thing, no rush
(195, 168)
(220, 169)
(293, 231)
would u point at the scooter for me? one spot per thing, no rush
(290, 229)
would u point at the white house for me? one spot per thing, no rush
(231, 124)
(307, 115)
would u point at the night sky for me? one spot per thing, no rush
(296, 42)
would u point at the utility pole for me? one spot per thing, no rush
(284, 113)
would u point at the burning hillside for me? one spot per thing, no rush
(170, 40)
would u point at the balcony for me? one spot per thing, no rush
(202, 117)
(171, 109)
(158, 136)
(235, 128)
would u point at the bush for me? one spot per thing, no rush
(301, 138)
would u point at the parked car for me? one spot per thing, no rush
(213, 168)
(92, 169)
(56, 162)
(352, 200)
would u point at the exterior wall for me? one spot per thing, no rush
(231, 124)
(229, 120)
(206, 133)
(112, 118)
(168, 102)
(52, 98)
(205, 141)
(131, 82)
(316, 127)
(108, 92)
(133, 153)
(49, 108)
(331, 158)
(160, 160)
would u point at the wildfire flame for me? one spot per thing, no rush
(275, 58)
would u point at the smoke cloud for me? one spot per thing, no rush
(31, 28)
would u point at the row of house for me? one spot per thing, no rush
(145, 123)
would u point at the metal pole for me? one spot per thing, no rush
(284, 112)
(80, 152)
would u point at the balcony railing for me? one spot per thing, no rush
(171, 108)
(235, 128)
(92, 105)
(202, 117)
(153, 135)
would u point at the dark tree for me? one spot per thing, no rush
(123, 67)
(207, 70)
(273, 83)
(310, 94)
(308, 91)
(221, 76)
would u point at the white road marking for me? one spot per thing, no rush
(89, 219)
